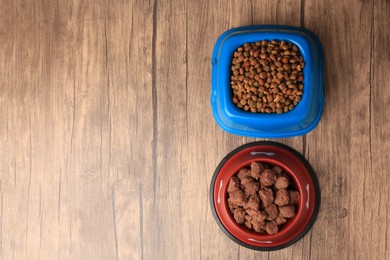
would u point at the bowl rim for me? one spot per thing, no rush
(311, 172)
(228, 117)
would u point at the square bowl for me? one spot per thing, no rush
(300, 120)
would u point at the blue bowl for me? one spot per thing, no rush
(299, 121)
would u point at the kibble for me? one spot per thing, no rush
(262, 198)
(269, 73)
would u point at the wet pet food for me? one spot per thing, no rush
(262, 198)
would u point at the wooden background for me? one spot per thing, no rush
(108, 144)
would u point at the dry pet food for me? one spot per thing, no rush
(267, 76)
(261, 198)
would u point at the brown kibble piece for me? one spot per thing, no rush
(253, 203)
(258, 226)
(246, 180)
(256, 169)
(271, 228)
(259, 216)
(248, 224)
(279, 220)
(278, 170)
(267, 196)
(282, 197)
(236, 198)
(251, 212)
(294, 197)
(268, 178)
(272, 211)
(287, 211)
(243, 173)
(256, 215)
(251, 188)
(234, 184)
(282, 182)
(239, 215)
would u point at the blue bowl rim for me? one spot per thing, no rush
(252, 132)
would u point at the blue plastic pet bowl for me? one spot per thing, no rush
(299, 121)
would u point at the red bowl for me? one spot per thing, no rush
(304, 180)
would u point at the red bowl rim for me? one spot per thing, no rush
(229, 231)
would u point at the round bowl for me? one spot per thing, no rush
(304, 180)
(299, 121)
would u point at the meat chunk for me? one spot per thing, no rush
(295, 197)
(279, 220)
(239, 215)
(272, 212)
(253, 203)
(259, 200)
(243, 173)
(256, 170)
(251, 188)
(248, 224)
(268, 178)
(287, 211)
(258, 226)
(256, 215)
(248, 221)
(271, 228)
(259, 216)
(277, 170)
(282, 182)
(255, 219)
(236, 199)
(282, 197)
(251, 212)
(245, 180)
(266, 196)
(234, 184)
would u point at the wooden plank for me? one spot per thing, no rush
(129, 50)
(15, 145)
(206, 21)
(339, 150)
(84, 204)
(375, 194)
(57, 201)
(177, 234)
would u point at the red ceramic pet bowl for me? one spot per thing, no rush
(303, 179)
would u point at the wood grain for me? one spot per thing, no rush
(377, 199)
(108, 144)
